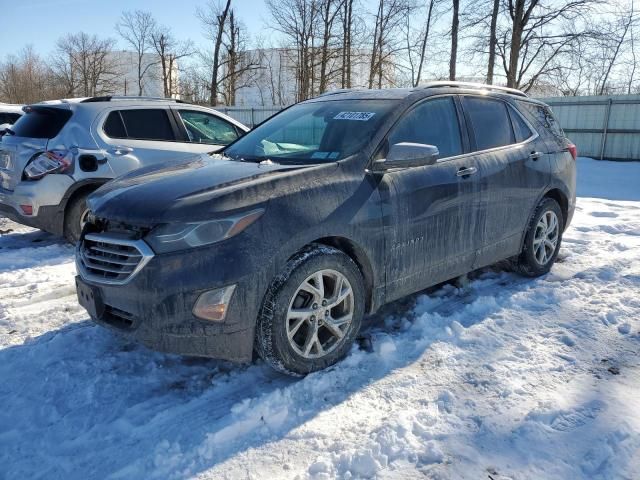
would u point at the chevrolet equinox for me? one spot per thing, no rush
(285, 240)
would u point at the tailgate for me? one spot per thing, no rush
(31, 133)
(15, 153)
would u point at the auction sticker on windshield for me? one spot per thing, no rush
(358, 116)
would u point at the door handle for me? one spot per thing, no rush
(535, 155)
(465, 172)
(119, 150)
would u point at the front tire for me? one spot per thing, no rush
(312, 312)
(542, 240)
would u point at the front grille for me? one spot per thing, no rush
(111, 258)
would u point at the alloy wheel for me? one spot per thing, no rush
(545, 239)
(320, 314)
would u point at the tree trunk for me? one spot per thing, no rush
(455, 22)
(424, 44)
(516, 42)
(493, 40)
(222, 20)
(377, 47)
(347, 24)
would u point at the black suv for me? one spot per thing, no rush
(287, 239)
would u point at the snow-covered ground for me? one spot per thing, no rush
(503, 377)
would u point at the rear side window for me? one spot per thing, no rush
(552, 124)
(433, 122)
(490, 121)
(520, 127)
(41, 122)
(139, 124)
(544, 116)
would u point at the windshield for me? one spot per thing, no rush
(313, 132)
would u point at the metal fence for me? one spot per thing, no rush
(602, 127)
(250, 116)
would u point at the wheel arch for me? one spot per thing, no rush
(559, 196)
(361, 259)
(80, 188)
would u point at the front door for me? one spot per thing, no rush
(430, 217)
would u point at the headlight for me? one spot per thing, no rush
(53, 161)
(182, 236)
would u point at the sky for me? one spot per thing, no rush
(42, 22)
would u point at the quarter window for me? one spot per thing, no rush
(490, 121)
(139, 124)
(433, 122)
(206, 128)
(114, 127)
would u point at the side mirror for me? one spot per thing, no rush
(406, 155)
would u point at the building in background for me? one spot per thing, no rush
(126, 81)
(272, 81)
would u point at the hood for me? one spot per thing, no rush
(194, 189)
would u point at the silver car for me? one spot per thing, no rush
(59, 152)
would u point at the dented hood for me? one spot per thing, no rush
(192, 190)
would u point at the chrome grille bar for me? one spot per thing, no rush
(111, 259)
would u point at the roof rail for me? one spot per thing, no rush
(337, 91)
(472, 85)
(109, 98)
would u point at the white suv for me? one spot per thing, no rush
(59, 152)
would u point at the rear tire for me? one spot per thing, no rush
(542, 240)
(312, 312)
(75, 217)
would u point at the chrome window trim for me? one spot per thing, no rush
(140, 245)
(533, 137)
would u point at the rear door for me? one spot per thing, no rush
(141, 136)
(515, 169)
(31, 134)
(431, 218)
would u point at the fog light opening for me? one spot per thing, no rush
(27, 209)
(213, 305)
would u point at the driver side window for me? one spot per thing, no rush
(433, 122)
(206, 128)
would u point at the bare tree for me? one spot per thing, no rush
(536, 35)
(25, 78)
(240, 66)
(633, 60)
(417, 39)
(389, 19)
(84, 64)
(214, 19)
(136, 28)
(169, 51)
(296, 20)
(329, 10)
(614, 37)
